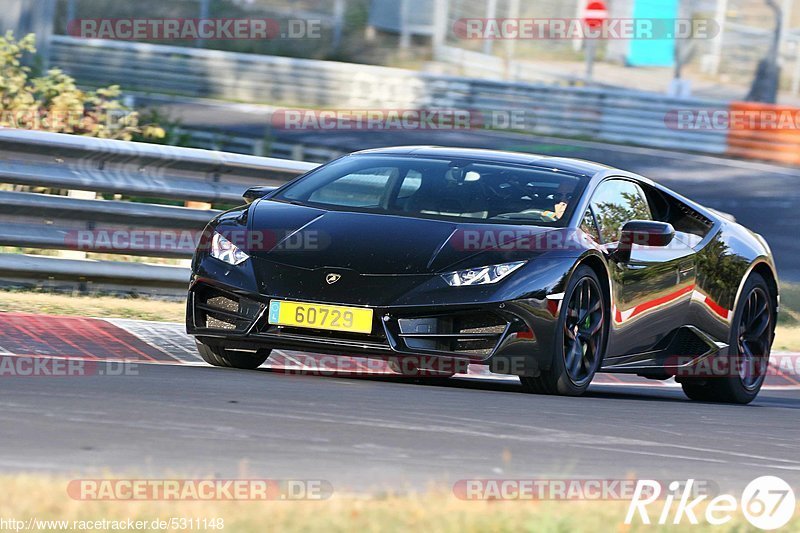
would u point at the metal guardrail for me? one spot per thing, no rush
(74, 162)
(242, 144)
(31, 220)
(598, 112)
(233, 76)
(32, 270)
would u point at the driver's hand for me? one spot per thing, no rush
(560, 208)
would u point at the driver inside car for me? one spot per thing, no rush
(561, 201)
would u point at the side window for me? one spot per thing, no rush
(363, 189)
(616, 202)
(589, 227)
(411, 184)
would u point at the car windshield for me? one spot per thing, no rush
(446, 189)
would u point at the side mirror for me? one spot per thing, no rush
(254, 193)
(644, 233)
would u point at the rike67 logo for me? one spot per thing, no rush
(768, 503)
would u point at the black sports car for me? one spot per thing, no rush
(548, 268)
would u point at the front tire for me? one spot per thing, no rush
(219, 356)
(752, 332)
(580, 339)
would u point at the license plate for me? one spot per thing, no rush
(328, 317)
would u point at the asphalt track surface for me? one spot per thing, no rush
(362, 434)
(379, 432)
(763, 197)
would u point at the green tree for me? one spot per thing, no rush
(53, 102)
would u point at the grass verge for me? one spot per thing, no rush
(43, 498)
(96, 306)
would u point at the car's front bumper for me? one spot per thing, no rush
(512, 337)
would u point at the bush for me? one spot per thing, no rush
(53, 102)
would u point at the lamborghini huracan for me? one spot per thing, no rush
(548, 268)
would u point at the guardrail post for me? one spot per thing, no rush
(491, 14)
(405, 32)
(338, 23)
(83, 195)
(440, 10)
(298, 151)
(204, 11)
(259, 147)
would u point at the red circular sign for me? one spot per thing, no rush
(595, 14)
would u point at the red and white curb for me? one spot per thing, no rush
(140, 341)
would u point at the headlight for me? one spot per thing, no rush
(481, 275)
(225, 250)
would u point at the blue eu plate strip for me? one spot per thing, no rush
(274, 311)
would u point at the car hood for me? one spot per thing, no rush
(312, 238)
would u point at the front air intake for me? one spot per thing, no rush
(222, 310)
(468, 333)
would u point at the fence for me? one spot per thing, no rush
(42, 221)
(601, 113)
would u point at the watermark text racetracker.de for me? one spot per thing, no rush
(158, 240)
(577, 28)
(66, 121)
(778, 119)
(179, 29)
(400, 119)
(52, 367)
(559, 489)
(199, 489)
(309, 240)
(727, 366)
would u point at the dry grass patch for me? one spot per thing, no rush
(95, 306)
(46, 498)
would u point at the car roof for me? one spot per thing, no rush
(567, 164)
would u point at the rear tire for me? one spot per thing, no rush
(580, 339)
(751, 337)
(219, 356)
